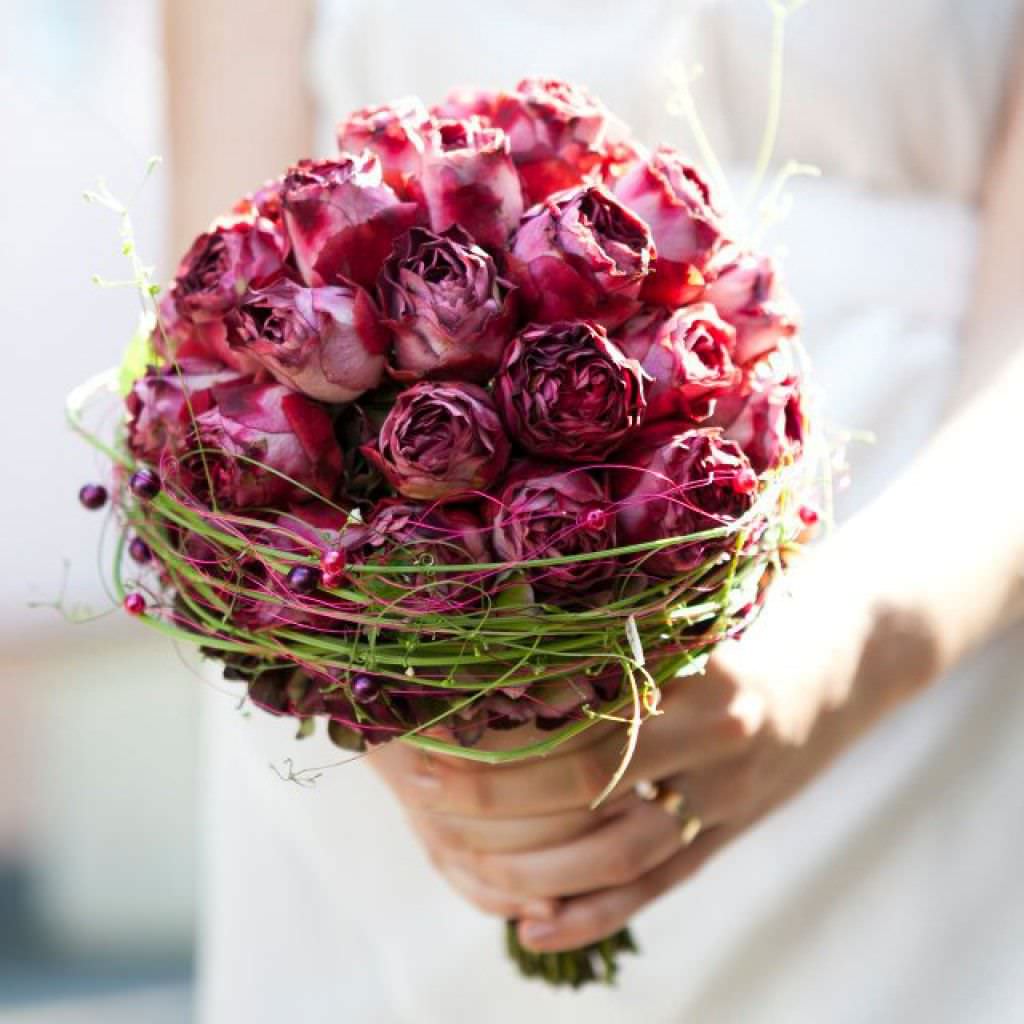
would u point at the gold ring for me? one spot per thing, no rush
(672, 802)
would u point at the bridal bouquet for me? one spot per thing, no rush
(489, 422)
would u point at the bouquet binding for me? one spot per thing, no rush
(491, 421)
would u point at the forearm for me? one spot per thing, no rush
(944, 546)
(238, 108)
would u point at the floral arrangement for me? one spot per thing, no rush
(489, 421)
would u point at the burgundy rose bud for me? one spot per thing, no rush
(450, 312)
(93, 496)
(558, 134)
(675, 200)
(342, 219)
(748, 294)
(144, 484)
(677, 486)
(686, 353)
(162, 403)
(581, 255)
(468, 179)
(236, 254)
(394, 132)
(766, 419)
(547, 512)
(140, 551)
(260, 444)
(566, 392)
(326, 342)
(441, 439)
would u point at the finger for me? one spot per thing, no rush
(668, 743)
(491, 900)
(590, 918)
(619, 852)
(511, 835)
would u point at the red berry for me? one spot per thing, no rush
(594, 519)
(134, 604)
(93, 496)
(808, 515)
(332, 562)
(745, 481)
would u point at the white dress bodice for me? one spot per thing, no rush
(891, 889)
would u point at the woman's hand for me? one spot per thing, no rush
(822, 663)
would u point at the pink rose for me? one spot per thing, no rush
(450, 311)
(468, 179)
(259, 445)
(325, 342)
(677, 486)
(581, 255)
(441, 439)
(222, 264)
(686, 353)
(159, 417)
(342, 219)
(394, 132)
(558, 134)
(746, 291)
(675, 200)
(766, 419)
(567, 392)
(549, 512)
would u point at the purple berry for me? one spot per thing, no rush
(145, 484)
(139, 551)
(93, 496)
(134, 604)
(303, 579)
(364, 689)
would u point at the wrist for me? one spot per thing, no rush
(902, 649)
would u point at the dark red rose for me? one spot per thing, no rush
(159, 417)
(468, 179)
(581, 255)
(401, 533)
(221, 266)
(326, 342)
(256, 591)
(550, 512)
(394, 132)
(765, 418)
(558, 133)
(441, 439)
(264, 202)
(450, 312)
(748, 294)
(686, 353)
(675, 200)
(566, 392)
(342, 219)
(259, 444)
(677, 486)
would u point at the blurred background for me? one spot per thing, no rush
(97, 734)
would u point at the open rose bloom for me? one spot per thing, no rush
(488, 422)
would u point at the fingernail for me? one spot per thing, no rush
(543, 909)
(537, 931)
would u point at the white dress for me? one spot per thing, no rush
(893, 889)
